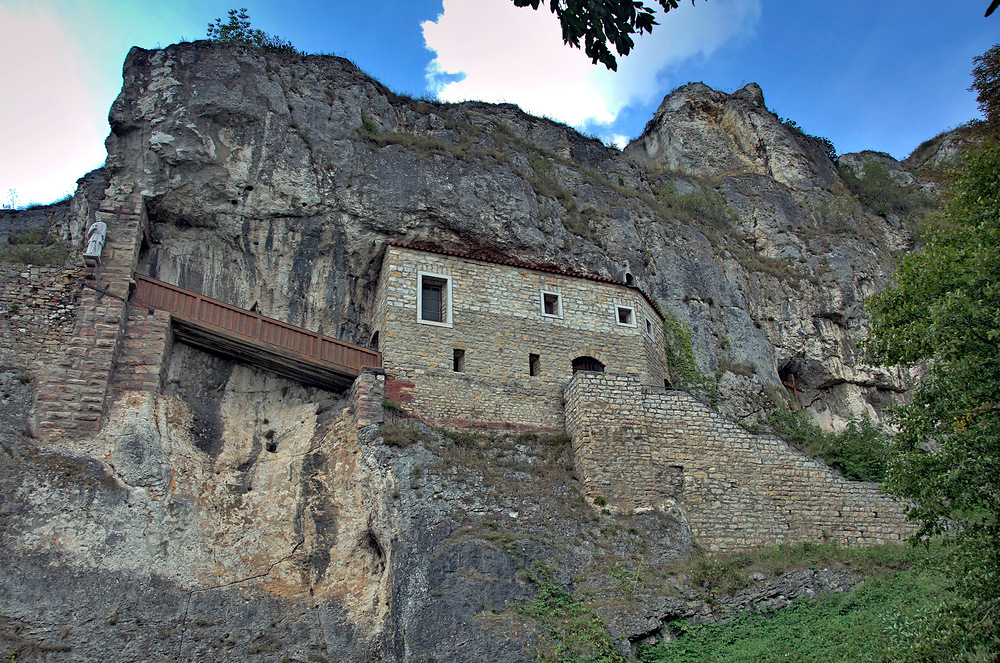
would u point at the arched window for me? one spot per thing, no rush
(587, 364)
(629, 279)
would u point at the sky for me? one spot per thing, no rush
(882, 75)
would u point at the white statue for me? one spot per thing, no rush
(95, 243)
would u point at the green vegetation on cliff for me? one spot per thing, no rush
(873, 622)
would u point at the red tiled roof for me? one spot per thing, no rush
(538, 268)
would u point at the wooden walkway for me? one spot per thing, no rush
(290, 351)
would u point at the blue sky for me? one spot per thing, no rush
(879, 75)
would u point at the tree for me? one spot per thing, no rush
(601, 23)
(238, 30)
(986, 85)
(942, 311)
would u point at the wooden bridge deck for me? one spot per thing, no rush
(290, 351)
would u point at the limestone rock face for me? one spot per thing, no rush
(275, 182)
(703, 132)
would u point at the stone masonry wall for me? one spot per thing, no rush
(641, 447)
(73, 396)
(38, 310)
(497, 321)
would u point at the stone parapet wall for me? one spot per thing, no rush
(38, 309)
(72, 399)
(640, 447)
(460, 402)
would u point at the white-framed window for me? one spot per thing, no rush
(434, 299)
(625, 316)
(551, 304)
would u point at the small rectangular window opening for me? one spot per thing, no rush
(533, 365)
(551, 304)
(626, 316)
(649, 327)
(458, 362)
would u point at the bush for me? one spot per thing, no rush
(860, 452)
(883, 195)
(238, 30)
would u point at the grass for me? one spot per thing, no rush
(873, 622)
(402, 436)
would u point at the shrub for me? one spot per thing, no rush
(880, 193)
(860, 452)
(35, 247)
(238, 30)
(826, 143)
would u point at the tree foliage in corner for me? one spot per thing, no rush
(238, 30)
(943, 311)
(602, 23)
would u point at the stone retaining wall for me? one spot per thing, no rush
(640, 447)
(38, 309)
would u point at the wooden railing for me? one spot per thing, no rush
(254, 337)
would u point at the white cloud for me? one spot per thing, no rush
(48, 130)
(516, 55)
(615, 140)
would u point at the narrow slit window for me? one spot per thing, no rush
(625, 316)
(534, 367)
(551, 304)
(458, 361)
(649, 327)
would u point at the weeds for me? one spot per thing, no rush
(576, 631)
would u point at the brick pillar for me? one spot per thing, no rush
(366, 397)
(142, 361)
(72, 400)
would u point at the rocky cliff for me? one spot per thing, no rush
(238, 516)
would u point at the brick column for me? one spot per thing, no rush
(72, 400)
(366, 397)
(142, 361)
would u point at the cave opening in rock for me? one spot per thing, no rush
(791, 381)
(370, 543)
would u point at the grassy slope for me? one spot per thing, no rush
(874, 622)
